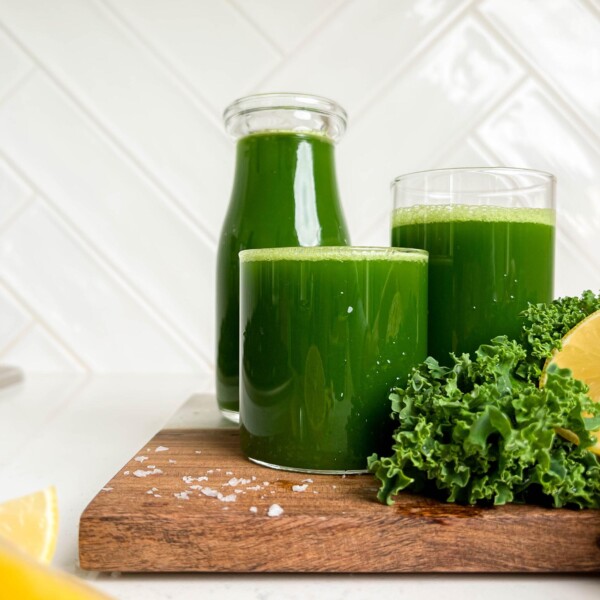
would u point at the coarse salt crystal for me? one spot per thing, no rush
(188, 478)
(125, 472)
(228, 473)
(106, 489)
(141, 458)
(142, 473)
(161, 449)
(235, 481)
(265, 483)
(307, 481)
(172, 461)
(299, 488)
(151, 466)
(230, 498)
(253, 509)
(275, 510)
(254, 488)
(181, 495)
(209, 492)
(197, 451)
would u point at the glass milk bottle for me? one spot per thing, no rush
(284, 193)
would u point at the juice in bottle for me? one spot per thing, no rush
(284, 193)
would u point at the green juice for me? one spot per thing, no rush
(485, 264)
(284, 194)
(326, 332)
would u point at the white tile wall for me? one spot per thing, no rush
(115, 170)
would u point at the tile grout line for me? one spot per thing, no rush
(537, 75)
(430, 40)
(168, 198)
(17, 337)
(106, 264)
(17, 212)
(592, 7)
(19, 83)
(256, 27)
(42, 323)
(342, 5)
(166, 65)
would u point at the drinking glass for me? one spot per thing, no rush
(326, 333)
(490, 237)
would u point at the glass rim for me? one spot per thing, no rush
(284, 101)
(340, 253)
(547, 179)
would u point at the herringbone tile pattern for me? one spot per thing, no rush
(115, 169)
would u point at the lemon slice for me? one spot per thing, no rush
(580, 352)
(22, 578)
(31, 523)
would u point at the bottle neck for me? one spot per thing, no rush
(297, 165)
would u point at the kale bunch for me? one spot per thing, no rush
(484, 431)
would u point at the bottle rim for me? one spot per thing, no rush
(286, 101)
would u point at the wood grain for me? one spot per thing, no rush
(334, 525)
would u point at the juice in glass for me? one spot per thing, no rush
(326, 333)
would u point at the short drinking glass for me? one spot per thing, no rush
(326, 333)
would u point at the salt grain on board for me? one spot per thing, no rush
(275, 510)
(209, 492)
(106, 489)
(161, 449)
(141, 458)
(253, 509)
(299, 488)
(142, 473)
(188, 478)
(181, 495)
(172, 461)
(307, 481)
(197, 451)
(235, 481)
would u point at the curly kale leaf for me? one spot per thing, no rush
(546, 324)
(483, 430)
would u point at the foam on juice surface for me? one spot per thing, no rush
(462, 212)
(334, 253)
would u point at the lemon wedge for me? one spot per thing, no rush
(31, 523)
(580, 353)
(24, 578)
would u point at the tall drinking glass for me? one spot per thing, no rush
(490, 237)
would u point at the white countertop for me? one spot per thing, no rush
(76, 432)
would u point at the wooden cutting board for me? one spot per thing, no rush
(189, 501)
